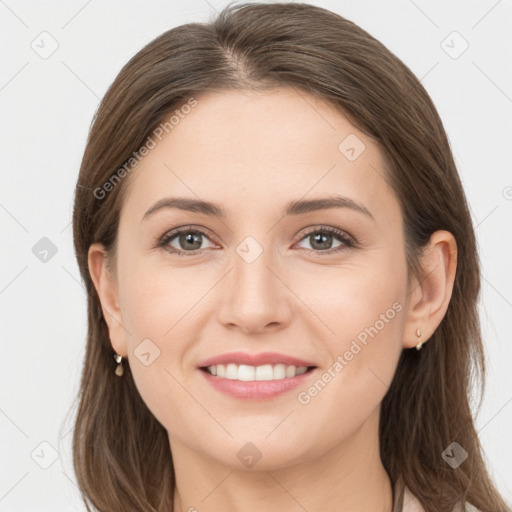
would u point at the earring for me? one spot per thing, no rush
(119, 367)
(418, 333)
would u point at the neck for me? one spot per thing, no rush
(348, 477)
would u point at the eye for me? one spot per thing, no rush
(188, 240)
(321, 238)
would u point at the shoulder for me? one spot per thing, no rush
(468, 508)
(406, 501)
(412, 504)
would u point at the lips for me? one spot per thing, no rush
(236, 378)
(261, 359)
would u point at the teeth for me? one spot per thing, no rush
(231, 371)
(290, 371)
(251, 373)
(265, 372)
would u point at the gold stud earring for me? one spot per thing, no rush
(119, 367)
(418, 333)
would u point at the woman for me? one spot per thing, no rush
(282, 279)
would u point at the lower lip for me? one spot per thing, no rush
(255, 390)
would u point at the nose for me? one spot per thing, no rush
(255, 298)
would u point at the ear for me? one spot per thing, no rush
(106, 287)
(430, 296)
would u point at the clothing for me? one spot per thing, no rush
(406, 501)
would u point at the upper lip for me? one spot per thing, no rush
(255, 359)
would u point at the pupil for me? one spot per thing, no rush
(190, 238)
(322, 244)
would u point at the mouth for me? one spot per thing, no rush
(256, 376)
(248, 373)
(256, 383)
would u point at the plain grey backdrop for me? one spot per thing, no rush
(58, 58)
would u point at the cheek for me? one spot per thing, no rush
(153, 297)
(362, 309)
(363, 358)
(159, 312)
(365, 290)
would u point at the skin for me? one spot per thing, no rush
(253, 153)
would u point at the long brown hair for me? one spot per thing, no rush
(121, 452)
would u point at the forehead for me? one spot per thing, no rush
(259, 149)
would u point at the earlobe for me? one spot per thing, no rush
(430, 296)
(106, 288)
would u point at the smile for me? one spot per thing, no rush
(249, 373)
(261, 382)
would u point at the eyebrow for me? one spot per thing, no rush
(299, 207)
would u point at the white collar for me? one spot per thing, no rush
(406, 501)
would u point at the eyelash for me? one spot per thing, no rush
(347, 242)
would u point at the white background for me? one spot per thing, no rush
(47, 106)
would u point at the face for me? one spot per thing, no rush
(276, 273)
